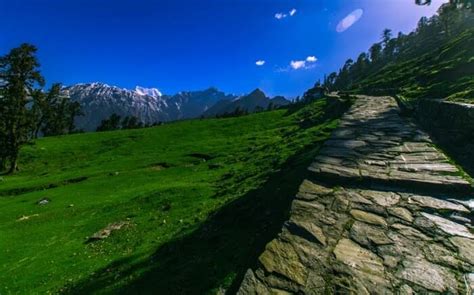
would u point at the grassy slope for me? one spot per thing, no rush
(176, 243)
(445, 72)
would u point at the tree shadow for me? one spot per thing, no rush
(217, 253)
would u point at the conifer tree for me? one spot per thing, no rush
(20, 78)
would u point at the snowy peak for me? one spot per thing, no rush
(98, 101)
(153, 92)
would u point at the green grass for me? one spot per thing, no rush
(446, 71)
(202, 197)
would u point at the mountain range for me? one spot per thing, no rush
(98, 101)
(255, 101)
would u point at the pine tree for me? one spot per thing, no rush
(20, 78)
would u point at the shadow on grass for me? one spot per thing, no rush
(215, 254)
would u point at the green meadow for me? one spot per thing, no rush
(198, 201)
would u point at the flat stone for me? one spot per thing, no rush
(401, 213)
(448, 226)
(469, 203)
(251, 285)
(308, 230)
(299, 207)
(368, 217)
(385, 199)
(333, 169)
(280, 257)
(469, 279)
(426, 167)
(434, 203)
(341, 203)
(310, 191)
(409, 232)
(465, 248)
(365, 234)
(428, 275)
(354, 256)
(107, 231)
(357, 198)
(390, 261)
(405, 290)
(346, 143)
(440, 255)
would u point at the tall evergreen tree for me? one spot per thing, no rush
(20, 79)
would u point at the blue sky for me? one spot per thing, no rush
(179, 45)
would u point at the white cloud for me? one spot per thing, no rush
(280, 15)
(297, 64)
(260, 62)
(349, 20)
(306, 64)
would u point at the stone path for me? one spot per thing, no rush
(384, 213)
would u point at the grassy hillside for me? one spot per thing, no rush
(444, 72)
(200, 199)
(435, 60)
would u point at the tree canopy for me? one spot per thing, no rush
(25, 109)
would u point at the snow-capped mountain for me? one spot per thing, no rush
(99, 101)
(148, 91)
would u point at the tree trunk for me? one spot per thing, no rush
(3, 164)
(13, 165)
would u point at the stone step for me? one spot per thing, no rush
(399, 180)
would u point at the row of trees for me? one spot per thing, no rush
(452, 18)
(26, 109)
(115, 122)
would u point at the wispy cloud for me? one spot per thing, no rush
(260, 62)
(307, 63)
(297, 64)
(349, 20)
(282, 15)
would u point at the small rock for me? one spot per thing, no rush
(24, 217)
(43, 201)
(105, 232)
(368, 217)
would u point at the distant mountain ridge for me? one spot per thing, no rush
(255, 101)
(99, 101)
